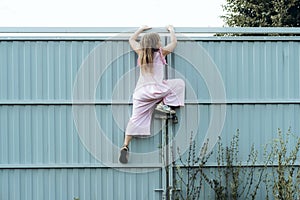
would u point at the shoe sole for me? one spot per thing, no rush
(123, 157)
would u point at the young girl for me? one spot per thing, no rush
(151, 90)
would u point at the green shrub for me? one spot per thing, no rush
(233, 179)
(284, 178)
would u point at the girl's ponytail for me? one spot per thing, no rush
(149, 44)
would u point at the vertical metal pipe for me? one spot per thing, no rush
(167, 161)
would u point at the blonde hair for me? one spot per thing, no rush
(149, 44)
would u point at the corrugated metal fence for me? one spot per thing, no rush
(65, 99)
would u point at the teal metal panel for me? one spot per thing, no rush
(252, 71)
(42, 154)
(88, 183)
(33, 71)
(258, 125)
(41, 70)
(39, 135)
(47, 136)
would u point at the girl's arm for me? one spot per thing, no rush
(171, 46)
(132, 40)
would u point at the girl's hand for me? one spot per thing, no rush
(132, 40)
(144, 28)
(170, 28)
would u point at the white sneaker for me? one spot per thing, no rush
(165, 109)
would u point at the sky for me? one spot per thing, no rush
(110, 13)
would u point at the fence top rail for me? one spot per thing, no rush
(121, 33)
(247, 30)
